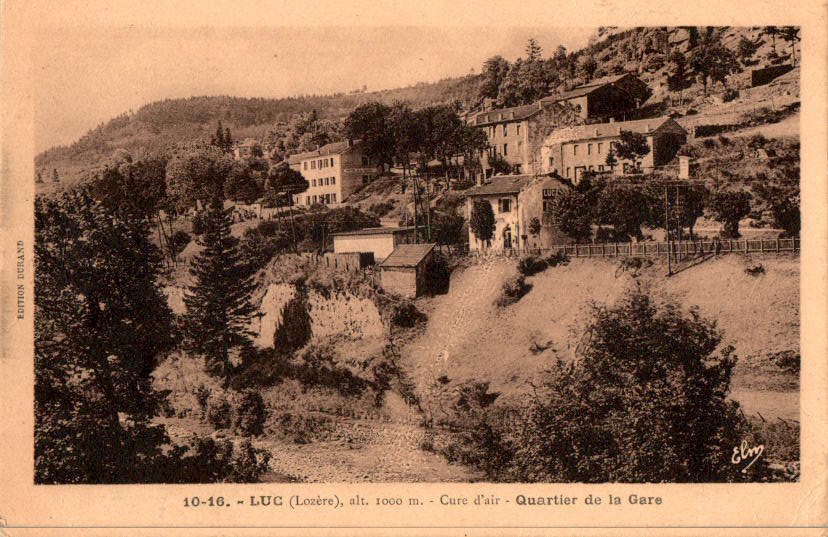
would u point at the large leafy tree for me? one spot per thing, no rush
(482, 221)
(625, 208)
(196, 173)
(218, 301)
(240, 184)
(728, 208)
(631, 146)
(495, 70)
(369, 122)
(646, 401)
(100, 323)
(712, 61)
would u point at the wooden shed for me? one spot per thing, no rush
(404, 271)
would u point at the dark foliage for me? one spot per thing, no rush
(728, 208)
(513, 290)
(438, 275)
(295, 330)
(482, 221)
(251, 413)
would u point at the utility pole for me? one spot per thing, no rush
(667, 229)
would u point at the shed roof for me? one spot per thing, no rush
(501, 184)
(408, 255)
(375, 231)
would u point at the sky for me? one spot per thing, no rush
(86, 74)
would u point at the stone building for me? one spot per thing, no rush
(572, 151)
(333, 172)
(516, 201)
(404, 271)
(379, 241)
(613, 96)
(515, 133)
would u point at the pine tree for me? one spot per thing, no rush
(218, 138)
(228, 140)
(55, 176)
(218, 302)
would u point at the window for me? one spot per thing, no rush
(551, 161)
(575, 149)
(505, 130)
(591, 168)
(307, 200)
(333, 197)
(589, 149)
(333, 180)
(327, 181)
(599, 147)
(306, 164)
(505, 149)
(327, 198)
(567, 171)
(313, 182)
(313, 165)
(517, 128)
(331, 162)
(314, 199)
(504, 205)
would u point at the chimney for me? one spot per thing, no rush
(684, 167)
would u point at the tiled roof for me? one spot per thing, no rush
(335, 148)
(586, 89)
(611, 79)
(605, 130)
(501, 115)
(408, 255)
(501, 184)
(375, 231)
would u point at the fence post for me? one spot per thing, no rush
(602, 249)
(616, 249)
(746, 246)
(777, 245)
(729, 245)
(762, 246)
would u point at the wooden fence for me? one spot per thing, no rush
(676, 249)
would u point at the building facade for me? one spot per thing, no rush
(614, 96)
(333, 172)
(516, 201)
(404, 271)
(572, 151)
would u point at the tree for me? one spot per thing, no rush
(218, 137)
(408, 137)
(631, 146)
(38, 177)
(612, 160)
(712, 61)
(747, 48)
(482, 221)
(370, 123)
(783, 201)
(625, 208)
(587, 67)
(197, 173)
(728, 208)
(645, 402)
(55, 176)
(218, 301)
(495, 70)
(240, 186)
(771, 31)
(533, 50)
(100, 321)
(791, 35)
(534, 226)
(472, 143)
(569, 211)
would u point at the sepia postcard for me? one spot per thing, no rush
(483, 268)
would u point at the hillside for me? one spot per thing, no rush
(160, 126)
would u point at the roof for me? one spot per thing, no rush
(604, 80)
(609, 130)
(503, 115)
(335, 148)
(501, 184)
(408, 255)
(375, 231)
(589, 87)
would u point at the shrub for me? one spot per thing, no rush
(219, 413)
(646, 402)
(789, 360)
(755, 270)
(251, 413)
(199, 223)
(513, 290)
(205, 460)
(406, 315)
(724, 140)
(557, 258)
(531, 264)
(295, 330)
(438, 275)
(202, 395)
(709, 143)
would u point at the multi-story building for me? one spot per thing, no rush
(334, 172)
(516, 201)
(572, 151)
(515, 133)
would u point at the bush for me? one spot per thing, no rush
(755, 270)
(202, 395)
(199, 223)
(513, 290)
(406, 315)
(251, 413)
(557, 258)
(205, 460)
(531, 264)
(295, 330)
(438, 275)
(219, 413)
(646, 402)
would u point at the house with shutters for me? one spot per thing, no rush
(333, 172)
(516, 201)
(571, 151)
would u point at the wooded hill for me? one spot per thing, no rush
(160, 126)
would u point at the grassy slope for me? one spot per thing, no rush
(467, 337)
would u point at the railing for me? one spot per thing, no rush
(676, 249)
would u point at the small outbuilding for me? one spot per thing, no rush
(404, 271)
(380, 241)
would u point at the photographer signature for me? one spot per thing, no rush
(744, 452)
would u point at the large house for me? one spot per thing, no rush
(516, 201)
(610, 96)
(515, 133)
(333, 172)
(571, 151)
